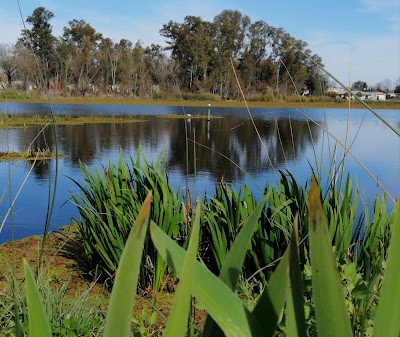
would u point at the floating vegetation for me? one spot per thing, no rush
(187, 116)
(29, 121)
(30, 154)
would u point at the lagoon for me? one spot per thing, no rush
(225, 148)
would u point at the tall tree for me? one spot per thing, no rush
(191, 46)
(40, 40)
(254, 54)
(231, 31)
(316, 82)
(84, 38)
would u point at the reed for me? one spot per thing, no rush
(110, 200)
(281, 296)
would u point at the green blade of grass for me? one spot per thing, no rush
(295, 318)
(234, 260)
(38, 321)
(176, 324)
(269, 308)
(387, 317)
(220, 302)
(330, 307)
(124, 290)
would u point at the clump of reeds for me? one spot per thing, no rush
(282, 295)
(39, 153)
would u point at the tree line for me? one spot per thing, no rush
(201, 57)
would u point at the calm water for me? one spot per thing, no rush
(231, 137)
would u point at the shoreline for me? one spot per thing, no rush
(204, 103)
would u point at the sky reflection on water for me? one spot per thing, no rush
(232, 136)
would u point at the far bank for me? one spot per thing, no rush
(303, 103)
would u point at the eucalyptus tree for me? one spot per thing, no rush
(229, 43)
(191, 46)
(109, 55)
(138, 70)
(125, 66)
(290, 56)
(254, 53)
(231, 29)
(157, 68)
(316, 81)
(66, 55)
(84, 39)
(40, 40)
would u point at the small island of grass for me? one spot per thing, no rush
(29, 121)
(30, 154)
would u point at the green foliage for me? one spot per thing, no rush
(332, 94)
(76, 317)
(331, 314)
(108, 203)
(217, 295)
(11, 95)
(126, 280)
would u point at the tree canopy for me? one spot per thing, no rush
(200, 56)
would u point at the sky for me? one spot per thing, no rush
(358, 40)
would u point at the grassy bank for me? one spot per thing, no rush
(66, 283)
(215, 103)
(246, 250)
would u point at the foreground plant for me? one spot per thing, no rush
(217, 295)
(110, 200)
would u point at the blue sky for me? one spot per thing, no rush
(357, 39)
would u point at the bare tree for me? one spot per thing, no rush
(8, 61)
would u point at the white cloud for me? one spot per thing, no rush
(370, 59)
(379, 6)
(389, 10)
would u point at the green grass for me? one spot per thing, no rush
(281, 296)
(16, 95)
(359, 243)
(11, 122)
(254, 102)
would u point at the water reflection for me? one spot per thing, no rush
(289, 143)
(234, 138)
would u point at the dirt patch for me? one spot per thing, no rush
(60, 262)
(64, 263)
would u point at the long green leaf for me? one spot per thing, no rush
(234, 260)
(178, 316)
(295, 318)
(38, 321)
(220, 302)
(330, 307)
(124, 290)
(387, 317)
(269, 308)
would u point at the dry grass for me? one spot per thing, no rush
(231, 103)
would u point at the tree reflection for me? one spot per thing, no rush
(232, 137)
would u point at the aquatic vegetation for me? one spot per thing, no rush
(282, 294)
